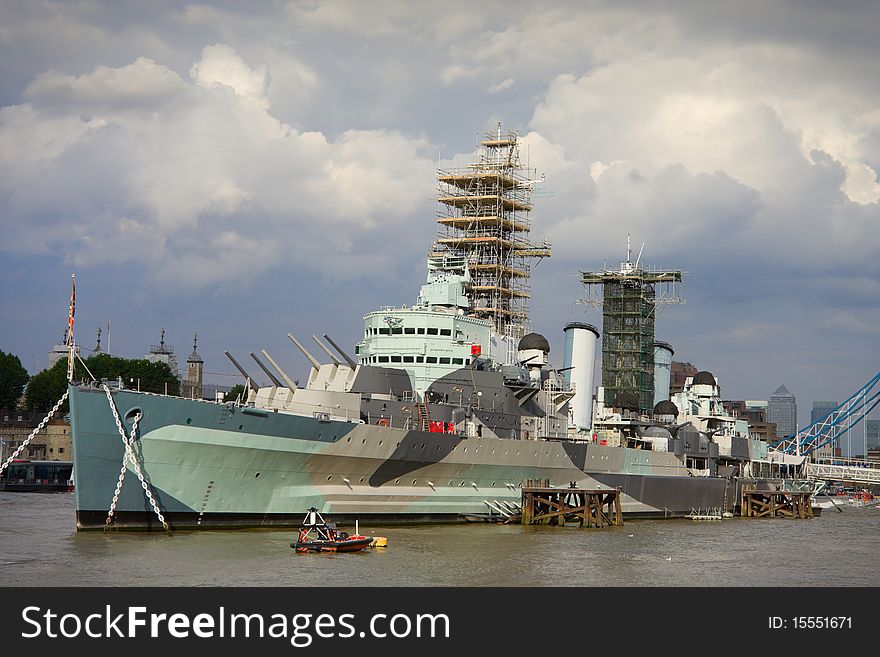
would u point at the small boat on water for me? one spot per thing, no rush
(316, 535)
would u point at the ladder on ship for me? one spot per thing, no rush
(424, 416)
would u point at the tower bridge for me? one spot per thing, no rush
(832, 426)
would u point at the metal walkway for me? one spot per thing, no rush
(846, 471)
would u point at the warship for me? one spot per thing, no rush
(444, 410)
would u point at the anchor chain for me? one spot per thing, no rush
(129, 456)
(122, 470)
(35, 431)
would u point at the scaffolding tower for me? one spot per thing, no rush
(483, 216)
(630, 297)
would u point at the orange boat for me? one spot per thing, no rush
(315, 535)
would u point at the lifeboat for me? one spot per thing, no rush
(316, 535)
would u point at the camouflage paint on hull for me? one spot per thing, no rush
(216, 465)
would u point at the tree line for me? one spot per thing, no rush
(42, 390)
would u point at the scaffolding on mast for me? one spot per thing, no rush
(630, 297)
(483, 216)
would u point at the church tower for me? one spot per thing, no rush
(192, 385)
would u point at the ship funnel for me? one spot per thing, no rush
(333, 357)
(579, 361)
(247, 377)
(290, 384)
(348, 359)
(265, 369)
(662, 369)
(305, 353)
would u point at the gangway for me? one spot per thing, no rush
(857, 472)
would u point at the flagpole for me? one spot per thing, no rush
(70, 341)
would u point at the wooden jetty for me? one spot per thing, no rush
(543, 505)
(776, 504)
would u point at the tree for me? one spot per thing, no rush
(48, 386)
(13, 378)
(237, 390)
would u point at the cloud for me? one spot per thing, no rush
(501, 86)
(196, 179)
(221, 65)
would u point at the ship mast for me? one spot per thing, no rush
(483, 216)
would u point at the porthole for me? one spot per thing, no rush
(364, 441)
(414, 481)
(348, 440)
(397, 481)
(380, 443)
(361, 480)
(465, 450)
(461, 483)
(257, 476)
(240, 427)
(189, 420)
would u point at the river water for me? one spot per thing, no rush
(39, 546)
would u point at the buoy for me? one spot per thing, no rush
(379, 541)
(383, 422)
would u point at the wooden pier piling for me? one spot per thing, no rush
(776, 504)
(542, 505)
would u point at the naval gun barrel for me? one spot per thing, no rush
(348, 359)
(333, 357)
(265, 369)
(290, 384)
(246, 376)
(305, 353)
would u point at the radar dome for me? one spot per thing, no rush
(534, 341)
(665, 407)
(704, 379)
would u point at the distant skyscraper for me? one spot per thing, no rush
(872, 434)
(782, 409)
(821, 409)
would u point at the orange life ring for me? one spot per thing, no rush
(382, 423)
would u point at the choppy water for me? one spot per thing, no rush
(39, 546)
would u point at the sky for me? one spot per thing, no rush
(241, 170)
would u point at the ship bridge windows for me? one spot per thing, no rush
(409, 359)
(431, 359)
(445, 331)
(420, 331)
(397, 331)
(383, 359)
(409, 331)
(384, 331)
(395, 359)
(445, 361)
(432, 331)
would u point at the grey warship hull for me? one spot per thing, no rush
(214, 465)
